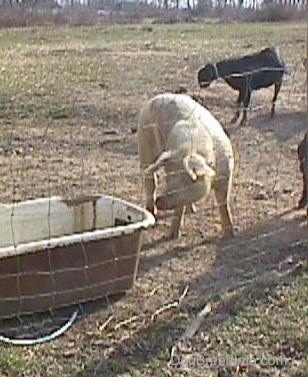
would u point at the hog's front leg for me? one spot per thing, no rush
(150, 183)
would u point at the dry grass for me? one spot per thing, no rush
(61, 90)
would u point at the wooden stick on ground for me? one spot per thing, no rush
(195, 325)
(173, 304)
(190, 331)
(127, 321)
(105, 324)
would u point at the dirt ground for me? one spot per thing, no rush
(84, 148)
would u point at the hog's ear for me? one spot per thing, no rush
(161, 161)
(164, 158)
(196, 166)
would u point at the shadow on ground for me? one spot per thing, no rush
(283, 126)
(254, 259)
(42, 324)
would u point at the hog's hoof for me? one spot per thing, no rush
(302, 203)
(272, 114)
(233, 120)
(228, 233)
(243, 122)
(172, 236)
(191, 208)
(152, 209)
(161, 203)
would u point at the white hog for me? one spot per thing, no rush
(178, 133)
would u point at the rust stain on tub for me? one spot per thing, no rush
(80, 200)
(79, 211)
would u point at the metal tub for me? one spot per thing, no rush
(55, 252)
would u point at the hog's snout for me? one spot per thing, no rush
(183, 196)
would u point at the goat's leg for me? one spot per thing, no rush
(277, 89)
(177, 220)
(303, 200)
(302, 153)
(246, 103)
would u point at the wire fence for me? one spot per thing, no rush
(264, 193)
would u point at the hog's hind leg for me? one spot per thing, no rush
(222, 193)
(176, 224)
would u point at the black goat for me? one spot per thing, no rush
(245, 74)
(302, 152)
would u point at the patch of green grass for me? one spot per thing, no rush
(13, 361)
(272, 321)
